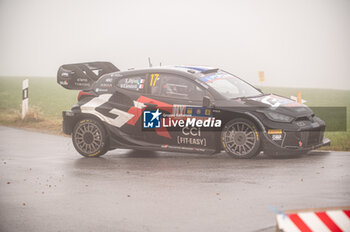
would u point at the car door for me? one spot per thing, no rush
(178, 98)
(123, 111)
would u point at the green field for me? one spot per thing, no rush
(49, 99)
(44, 93)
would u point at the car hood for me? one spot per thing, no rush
(268, 102)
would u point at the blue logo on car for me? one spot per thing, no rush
(151, 119)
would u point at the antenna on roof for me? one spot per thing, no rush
(149, 62)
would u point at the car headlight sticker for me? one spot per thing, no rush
(278, 117)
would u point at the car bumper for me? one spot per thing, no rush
(68, 122)
(269, 145)
(325, 142)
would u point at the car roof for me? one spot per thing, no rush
(191, 72)
(184, 70)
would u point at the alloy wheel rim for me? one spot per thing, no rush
(240, 138)
(88, 138)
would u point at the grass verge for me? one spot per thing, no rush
(32, 121)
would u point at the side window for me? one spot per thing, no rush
(135, 83)
(169, 85)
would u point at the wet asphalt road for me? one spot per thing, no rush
(46, 186)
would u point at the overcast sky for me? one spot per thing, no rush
(299, 43)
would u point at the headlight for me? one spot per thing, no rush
(277, 117)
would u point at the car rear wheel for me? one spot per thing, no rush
(240, 138)
(90, 138)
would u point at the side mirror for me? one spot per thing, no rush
(206, 101)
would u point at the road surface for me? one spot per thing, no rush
(45, 185)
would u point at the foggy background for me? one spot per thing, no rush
(298, 43)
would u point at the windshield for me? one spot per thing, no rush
(229, 85)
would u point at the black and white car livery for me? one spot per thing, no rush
(182, 108)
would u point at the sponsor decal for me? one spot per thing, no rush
(276, 101)
(131, 83)
(82, 80)
(106, 85)
(94, 154)
(64, 74)
(82, 84)
(274, 131)
(273, 101)
(109, 80)
(116, 75)
(198, 112)
(154, 78)
(193, 131)
(65, 82)
(218, 76)
(256, 133)
(179, 110)
(141, 83)
(101, 90)
(189, 111)
(276, 137)
(192, 141)
(223, 141)
(193, 137)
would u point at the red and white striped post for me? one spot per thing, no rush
(323, 219)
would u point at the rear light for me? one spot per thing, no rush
(82, 94)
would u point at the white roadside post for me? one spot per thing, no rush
(25, 85)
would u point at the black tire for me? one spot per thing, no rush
(240, 138)
(90, 138)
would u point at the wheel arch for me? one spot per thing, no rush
(81, 116)
(255, 120)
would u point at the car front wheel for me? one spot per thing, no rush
(90, 138)
(240, 138)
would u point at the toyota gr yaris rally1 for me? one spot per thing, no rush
(182, 109)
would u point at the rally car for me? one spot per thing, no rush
(182, 109)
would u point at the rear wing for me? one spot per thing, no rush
(82, 76)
